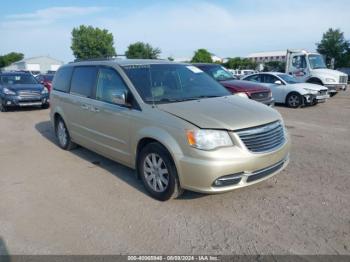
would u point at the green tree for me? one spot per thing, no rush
(90, 42)
(202, 56)
(275, 66)
(142, 50)
(240, 63)
(334, 45)
(10, 58)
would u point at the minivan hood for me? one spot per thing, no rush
(230, 112)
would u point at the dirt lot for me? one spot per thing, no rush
(58, 202)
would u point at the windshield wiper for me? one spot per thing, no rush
(203, 96)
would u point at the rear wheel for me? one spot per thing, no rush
(63, 136)
(294, 100)
(158, 172)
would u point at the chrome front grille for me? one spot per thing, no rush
(263, 138)
(260, 95)
(323, 92)
(343, 79)
(29, 94)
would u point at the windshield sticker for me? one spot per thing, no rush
(194, 69)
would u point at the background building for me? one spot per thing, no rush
(38, 63)
(263, 57)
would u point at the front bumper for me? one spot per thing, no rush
(232, 162)
(333, 88)
(269, 102)
(10, 101)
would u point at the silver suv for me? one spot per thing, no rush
(175, 125)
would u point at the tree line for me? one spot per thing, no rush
(92, 42)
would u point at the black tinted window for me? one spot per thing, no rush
(62, 78)
(109, 83)
(83, 80)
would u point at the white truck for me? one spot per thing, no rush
(311, 68)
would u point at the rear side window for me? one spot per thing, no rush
(62, 78)
(83, 80)
(253, 78)
(270, 79)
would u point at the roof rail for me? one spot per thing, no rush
(98, 58)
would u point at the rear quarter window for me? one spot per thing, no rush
(83, 80)
(61, 81)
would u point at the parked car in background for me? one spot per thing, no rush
(34, 73)
(51, 72)
(21, 89)
(177, 126)
(311, 68)
(239, 73)
(288, 90)
(246, 89)
(46, 80)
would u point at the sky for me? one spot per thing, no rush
(178, 27)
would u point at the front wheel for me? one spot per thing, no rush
(294, 100)
(158, 172)
(45, 106)
(2, 107)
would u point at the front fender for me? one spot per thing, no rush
(163, 137)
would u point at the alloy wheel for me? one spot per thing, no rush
(294, 100)
(155, 172)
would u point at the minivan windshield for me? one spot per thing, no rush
(316, 62)
(289, 79)
(17, 79)
(218, 72)
(167, 83)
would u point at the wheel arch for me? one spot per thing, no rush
(150, 135)
(314, 80)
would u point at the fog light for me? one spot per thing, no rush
(8, 103)
(228, 180)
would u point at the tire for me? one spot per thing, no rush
(62, 135)
(294, 100)
(45, 106)
(158, 172)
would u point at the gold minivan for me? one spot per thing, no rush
(175, 125)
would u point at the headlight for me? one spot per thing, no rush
(330, 80)
(8, 91)
(207, 139)
(311, 91)
(45, 91)
(242, 94)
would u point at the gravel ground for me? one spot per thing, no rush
(58, 202)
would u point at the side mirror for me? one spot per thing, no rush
(278, 82)
(119, 97)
